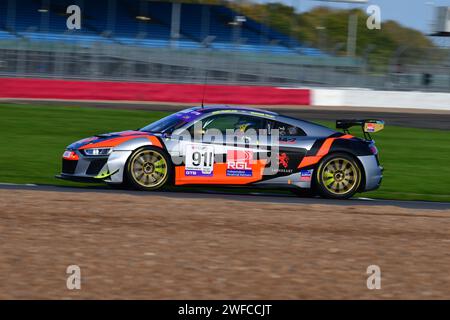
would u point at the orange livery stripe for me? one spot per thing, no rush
(324, 149)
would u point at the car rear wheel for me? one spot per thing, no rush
(338, 176)
(148, 169)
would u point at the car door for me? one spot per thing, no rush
(217, 158)
(291, 148)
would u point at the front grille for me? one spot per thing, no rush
(95, 166)
(69, 166)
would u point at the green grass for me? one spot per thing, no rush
(33, 139)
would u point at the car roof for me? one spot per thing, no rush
(310, 128)
(209, 109)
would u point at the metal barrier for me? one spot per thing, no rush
(102, 61)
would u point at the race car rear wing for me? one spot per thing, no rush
(368, 126)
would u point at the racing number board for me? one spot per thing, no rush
(199, 160)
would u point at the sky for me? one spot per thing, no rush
(417, 14)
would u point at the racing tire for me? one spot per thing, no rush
(338, 176)
(148, 169)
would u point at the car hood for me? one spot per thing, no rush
(107, 139)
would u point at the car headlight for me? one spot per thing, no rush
(97, 151)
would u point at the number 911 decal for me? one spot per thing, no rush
(199, 160)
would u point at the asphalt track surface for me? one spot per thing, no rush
(173, 245)
(234, 194)
(398, 117)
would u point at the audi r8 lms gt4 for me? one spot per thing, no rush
(232, 147)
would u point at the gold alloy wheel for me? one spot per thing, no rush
(340, 176)
(149, 168)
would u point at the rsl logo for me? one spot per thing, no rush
(239, 163)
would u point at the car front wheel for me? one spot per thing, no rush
(148, 169)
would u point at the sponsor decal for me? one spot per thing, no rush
(370, 127)
(243, 127)
(288, 140)
(188, 115)
(239, 163)
(67, 154)
(306, 175)
(283, 160)
(70, 155)
(199, 160)
(197, 173)
(283, 164)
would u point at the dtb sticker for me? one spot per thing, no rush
(199, 160)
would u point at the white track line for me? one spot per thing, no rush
(18, 184)
(366, 199)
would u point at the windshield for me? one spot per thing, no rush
(172, 122)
